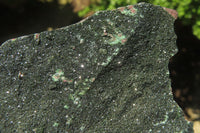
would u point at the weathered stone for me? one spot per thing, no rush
(108, 73)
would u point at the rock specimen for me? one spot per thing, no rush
(107, 73)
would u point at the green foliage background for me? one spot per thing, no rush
(188, 10)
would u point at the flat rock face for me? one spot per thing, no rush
(108, 73)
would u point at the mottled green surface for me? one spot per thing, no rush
(108, 73)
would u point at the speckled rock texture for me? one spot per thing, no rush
(107, 73)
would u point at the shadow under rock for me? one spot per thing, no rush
(184, 70)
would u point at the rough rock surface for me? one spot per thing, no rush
(108, 73)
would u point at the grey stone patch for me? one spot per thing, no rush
(108, 73)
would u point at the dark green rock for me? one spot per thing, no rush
(108, 73)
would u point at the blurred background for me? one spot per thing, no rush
(22, 17)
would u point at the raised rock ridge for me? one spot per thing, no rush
(108, 73)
